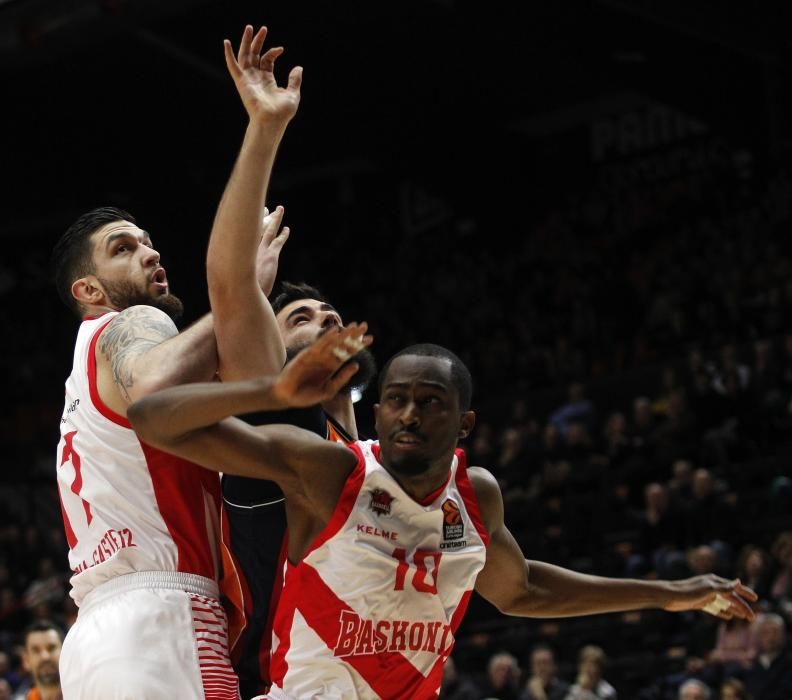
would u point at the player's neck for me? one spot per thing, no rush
(341, 409)
(96, 310)
(49, 692)
(420, 486)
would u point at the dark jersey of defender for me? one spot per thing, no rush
(254, 549)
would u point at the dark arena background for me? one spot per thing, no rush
(590, 202)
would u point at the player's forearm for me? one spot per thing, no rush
(557, 592)
(190, 356)
(167, 416)
(248, 339)
(231, 256)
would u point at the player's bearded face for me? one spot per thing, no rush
(123, 294)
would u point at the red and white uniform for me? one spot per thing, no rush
(127, 506)
(371, 610)
(139, 523)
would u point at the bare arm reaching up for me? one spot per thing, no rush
(247, 334)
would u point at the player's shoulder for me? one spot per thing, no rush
(488, 494)
(140, 320)
(482, 478)
(143, 312)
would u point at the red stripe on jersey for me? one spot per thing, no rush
(426, 500)
(284, 617)
(100, 405)
(385, 671)
(469, 496)
(179, 488)
(346, 501)
(234, 588)
(71, 538)
(287, 603)
(435, 676)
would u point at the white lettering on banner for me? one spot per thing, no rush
(631, 132)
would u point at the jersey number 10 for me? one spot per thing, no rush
(424, 579)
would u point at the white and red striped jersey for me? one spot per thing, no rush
(372, 608)
(126, 506)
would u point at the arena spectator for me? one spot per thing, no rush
(694, 690)
(543, 683)
(456, 685)
(503, 678)
(733, 689)
(769, 677)
(589, 684)
(40, 657)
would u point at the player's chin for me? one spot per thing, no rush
(409, 461)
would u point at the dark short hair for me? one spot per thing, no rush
(42, 626)
(289, 292)
(460, 374)
(72, 256)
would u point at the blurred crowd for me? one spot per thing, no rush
(632, 359)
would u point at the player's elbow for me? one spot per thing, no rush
(509, 600)
(513, 605)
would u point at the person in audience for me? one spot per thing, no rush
(590, 685)
(769, 677)
(694, 689)
(544, 683)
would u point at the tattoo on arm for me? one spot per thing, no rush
(131, 334)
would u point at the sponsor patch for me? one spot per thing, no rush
(453, 525)
(381, 502)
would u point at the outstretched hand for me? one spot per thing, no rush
(322, 369)
(254, 77)
(273, 238)
(718, 596)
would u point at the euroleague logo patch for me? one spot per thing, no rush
(453, 526)
(381, 502)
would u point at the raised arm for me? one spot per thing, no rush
(536, 589)
(248, 340)
(141, 351)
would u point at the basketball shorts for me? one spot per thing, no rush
(149, 635)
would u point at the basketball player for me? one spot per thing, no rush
(252, 563)
(143, 527)
(254, 339)
(388, 539)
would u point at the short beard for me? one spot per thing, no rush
(47, 674)
(359, 381)
(122, 295)
(411, 466)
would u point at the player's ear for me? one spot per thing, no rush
(88, 291)
(466, 423)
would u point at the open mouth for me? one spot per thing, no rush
(160, 278)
